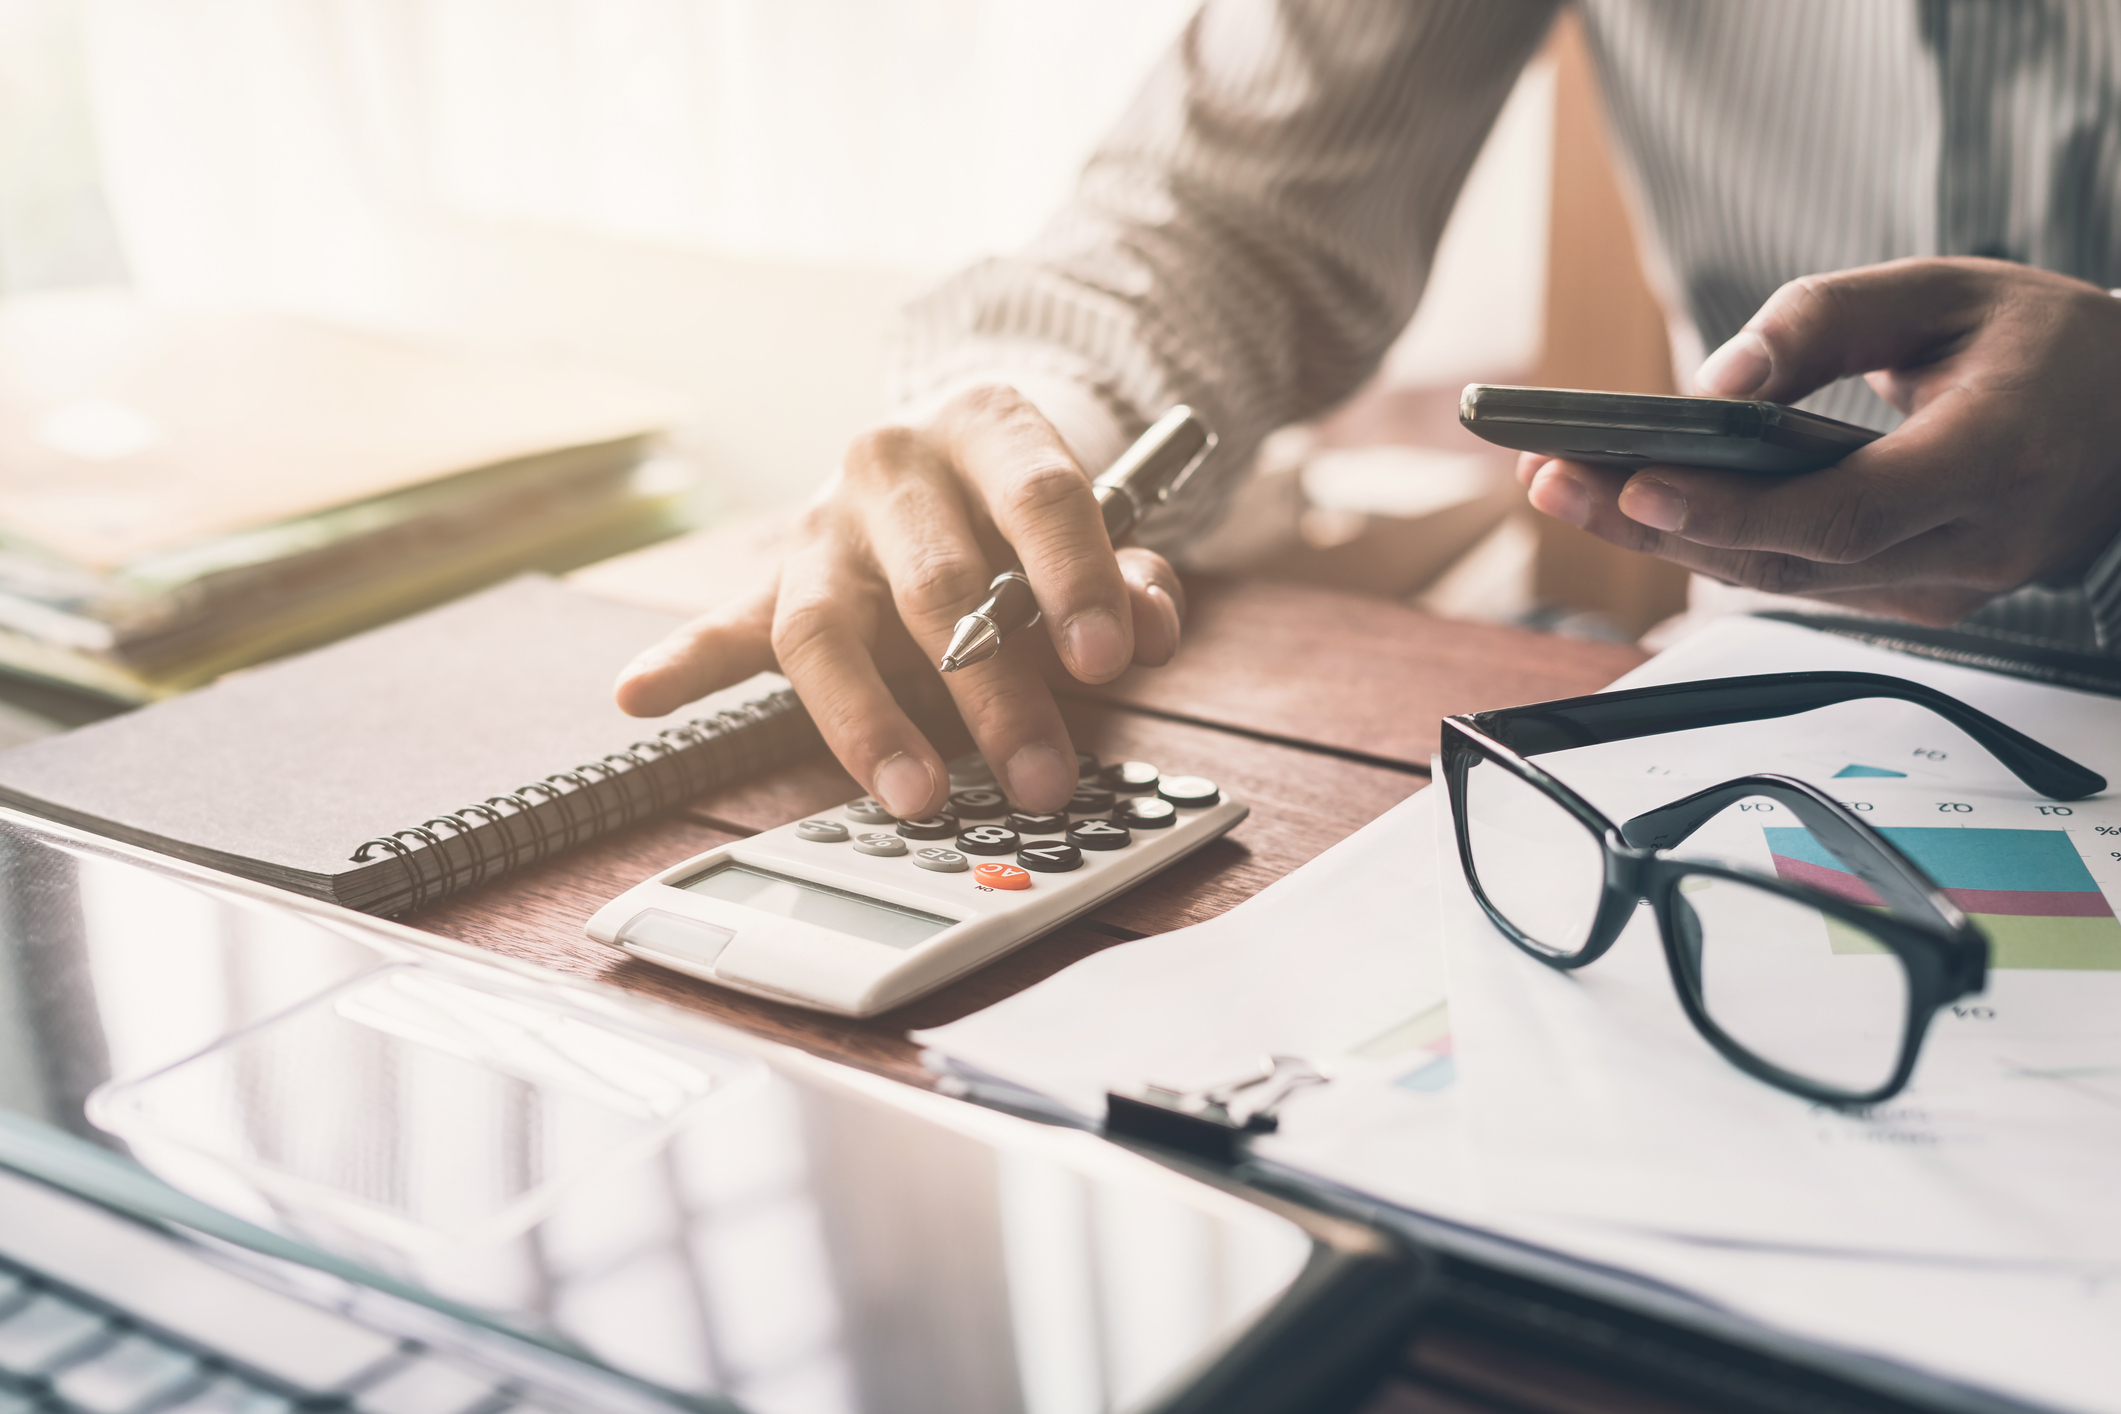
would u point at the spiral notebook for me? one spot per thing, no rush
(395, 768)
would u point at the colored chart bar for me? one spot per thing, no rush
(2028, 890)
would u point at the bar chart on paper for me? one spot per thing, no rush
(2030, 890)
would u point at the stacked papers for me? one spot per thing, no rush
(185, 492)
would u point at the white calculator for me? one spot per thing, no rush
(855, 911)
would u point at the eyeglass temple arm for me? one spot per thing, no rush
(1898, 881)
(1671, 707)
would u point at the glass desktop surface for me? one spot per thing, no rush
(670, 1204)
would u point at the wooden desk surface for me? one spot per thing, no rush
(1318, 708)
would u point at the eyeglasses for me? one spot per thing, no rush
(1806, 990)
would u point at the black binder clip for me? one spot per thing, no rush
(1212, 1122)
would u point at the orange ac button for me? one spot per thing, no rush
(1001, 876)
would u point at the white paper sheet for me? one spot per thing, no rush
(1339, 963)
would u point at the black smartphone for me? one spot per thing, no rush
(1630, 429)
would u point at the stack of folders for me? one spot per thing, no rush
(182, 494)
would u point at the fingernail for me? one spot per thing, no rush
(1563, 497)
(1167, 611)
(643, 702)
(1039, 776)
(1095, 646)
(904, 785)
(1737, 369)
(1656, 504)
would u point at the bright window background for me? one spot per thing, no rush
(728, 196)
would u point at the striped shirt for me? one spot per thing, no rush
(1257, 230)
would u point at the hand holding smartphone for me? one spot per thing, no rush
(1639, 429)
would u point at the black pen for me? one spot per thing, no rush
(1143, 478)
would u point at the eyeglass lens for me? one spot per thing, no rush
(1809, 993)
(1803, 991)
(1539, 866)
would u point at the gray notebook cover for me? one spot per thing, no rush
(282, 772)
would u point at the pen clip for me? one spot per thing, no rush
(1142, 473)
(1185, 474)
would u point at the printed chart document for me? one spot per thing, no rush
(2003, 1148)
(1968, 1227)
(2004, 1145)
(1969, 1223)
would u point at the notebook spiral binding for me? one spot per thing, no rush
(504, 833)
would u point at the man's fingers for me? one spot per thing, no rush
(1158, 604)
(1042, 504)
(1911, 581)
(1931, 471)
(1839, 515)
(1560, 489)
(920, 533)
(925, 546)
(714, 651)
(1932, 561)
(824, 629)
(1823, 327)
(1012, 715)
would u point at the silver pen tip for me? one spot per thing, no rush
(976, 640)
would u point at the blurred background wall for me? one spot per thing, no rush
(730, 196)
(733, 197)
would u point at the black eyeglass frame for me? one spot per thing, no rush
(1944, 955)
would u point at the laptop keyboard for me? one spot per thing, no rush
(99, 1315)
(58, 1354)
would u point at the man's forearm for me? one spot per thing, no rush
(1251, 238)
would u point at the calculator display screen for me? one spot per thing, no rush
(837, 909)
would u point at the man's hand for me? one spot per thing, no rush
(2007, 471)
(902, 545)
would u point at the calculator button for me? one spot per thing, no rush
(1050, 857)
(821, 831)
(979, 803)
(1098, 834)
(942, 861)
(935, 827)
(1025, 823)
(971, 769)
(1189, 792)
(1087, 766)
(1145, 812)
(878, 842)
(868, 811)
(1001, 876)
(1129, 777)
(989, 839)
(1090, 800)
